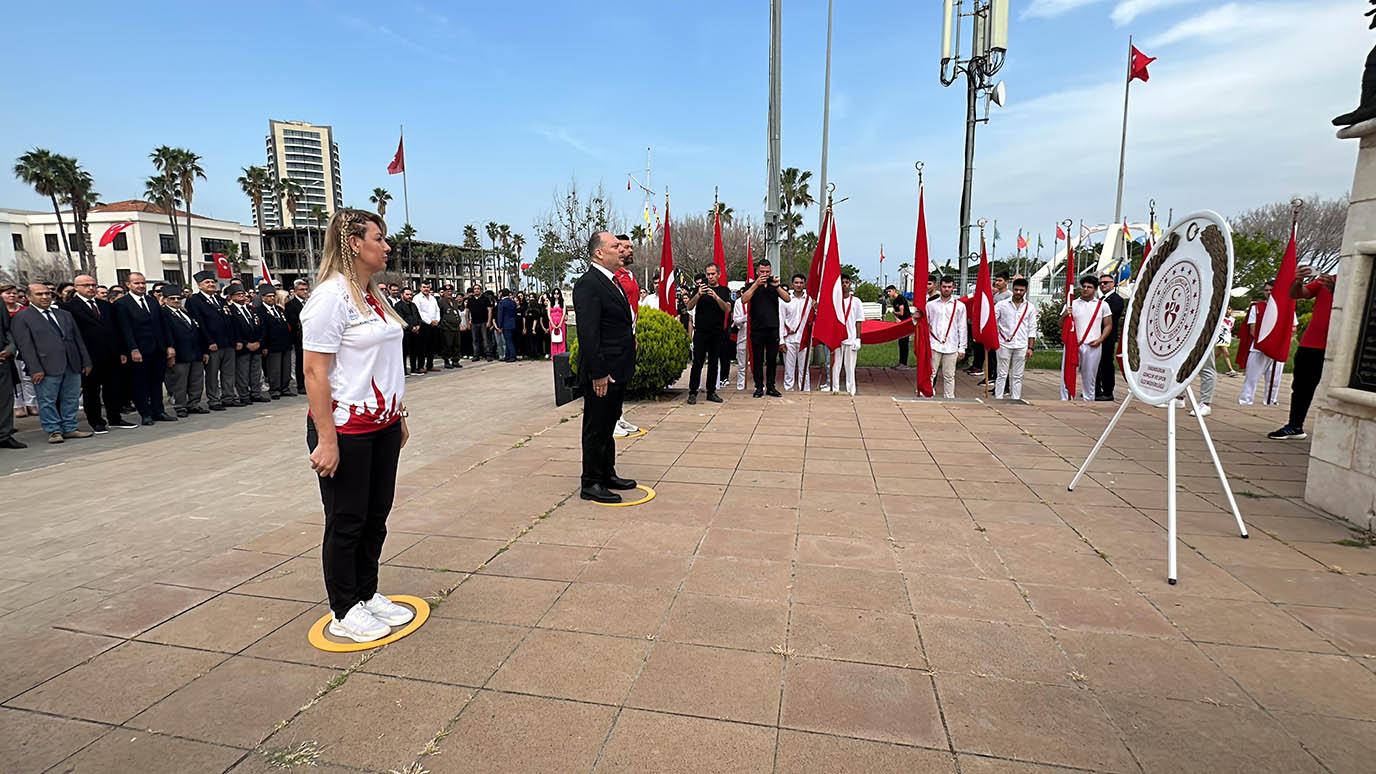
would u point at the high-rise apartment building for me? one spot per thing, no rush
(309, 155)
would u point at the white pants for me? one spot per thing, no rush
(1089, 369)
(1011, 363)
(843, 357)
(944, 363)
(795, 367)
(1260, 365)
(742, 360)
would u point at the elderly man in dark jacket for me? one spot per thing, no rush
(56, 357)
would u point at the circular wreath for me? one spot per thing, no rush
(1216, 245)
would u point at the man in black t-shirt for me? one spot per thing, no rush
(898, 304)
(1108, 363)
(763, 295)
(711, 303)
(480, 324)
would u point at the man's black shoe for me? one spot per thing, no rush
(200, 410)
(599, 493)
(165, 418)
(182, 414)
(12, 443)
(217, 408)
(100, 429)
(1108, 398)
(147, 423)
(773, 393)
(759, 393)
(712, 397)
(260, 399)
(692, 398)
(122, 424)
(620, 483)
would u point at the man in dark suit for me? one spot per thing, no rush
(211, 312)
(9, 376)
(606, 363)
(410, 340)
(506, 323)
(300, 291)
(248, 347)
(95, 319)
(54, 354)
(186, 369)
(276, 343)
(143, 336)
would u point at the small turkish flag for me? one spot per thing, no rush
(1138, 68)
(222, 268)
(1060, 233)
(112, 232)
(398, 164)
(1022, 242)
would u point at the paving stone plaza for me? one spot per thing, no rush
(822, 584)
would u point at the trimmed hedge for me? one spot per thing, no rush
(661, 355)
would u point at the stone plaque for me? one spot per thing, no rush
(1364, 359)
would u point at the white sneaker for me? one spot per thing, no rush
(825, 388)
(1204, 410)
(359, 625)
(389, 612)
(627, 426)
(621, 432)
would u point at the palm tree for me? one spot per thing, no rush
(39, 168)
(75, 186)
(188, 169)
(162, 191)
(380, 198)
(726, 212)
(794, 193)
(404, 236)
(289, 192)
(518, 243)
(166, 160)
(504, 234)
(318, 221)
(255, 183)
(639, 234)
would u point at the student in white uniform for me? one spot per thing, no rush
(742, 322)
(1259, 364)
(946, 318)
(792, 320)
(1093, 321)
(1016, 335)
(843, 357)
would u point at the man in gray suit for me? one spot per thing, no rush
(56, 357)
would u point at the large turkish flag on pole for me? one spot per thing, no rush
(668, 299)
(830, 328)
(398, 164)
(1277, 325)
(982, 310)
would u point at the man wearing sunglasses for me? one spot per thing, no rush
(1108, 363)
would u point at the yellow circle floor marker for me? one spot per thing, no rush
(637, 434)
(649, 495)
(321, 640)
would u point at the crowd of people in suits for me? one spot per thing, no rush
(476, 324)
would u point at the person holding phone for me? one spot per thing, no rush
(763, 295)
(712, 303)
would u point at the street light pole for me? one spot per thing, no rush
(771, 211)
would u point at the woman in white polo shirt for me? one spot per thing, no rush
(352, 360)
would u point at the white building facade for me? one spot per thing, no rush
(147, 246)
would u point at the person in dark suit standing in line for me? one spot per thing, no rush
(55, 356)
(186, 368)
(300, 291)
(9, 377)
(411, 341)
(143, 334)
(276, 343)
(606, 363)
(1108, 364)
(248, 347)
(507, 320)
(211, 312)
(96, 321)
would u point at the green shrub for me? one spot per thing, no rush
(661, 354)
(1303, 323)
(868, 292)
(1049, 324)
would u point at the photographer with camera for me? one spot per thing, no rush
(711, 303)
(763, 296)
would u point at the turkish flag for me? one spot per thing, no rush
(814, 275)
(1138, 69)
(922, 264)
(222, 268)
(398, 164)
(263, 273)
(1022, 242)
(668, 299)
(1060, 233)
(986, 330)
(718, 252)
(111, 232)
(525, 266)
(922, 336)
(1276, 327)
(1070, 355)
(830, 328)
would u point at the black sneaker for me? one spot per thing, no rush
(773, 393)
(692, 399)
(1287, 433)
(759, 393)
(712, 397)
(100, 429)
(122, 424)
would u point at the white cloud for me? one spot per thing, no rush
(563, 135)
(1128, 10)
(1045, 9)
(1234, 21)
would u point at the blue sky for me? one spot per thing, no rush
(505, 102)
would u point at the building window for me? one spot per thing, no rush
(18, 240)
(121, 241)
(73, 240)
(173, 276)
(214, 245)
(166, 244)
(122, 277)
(50, 243)
(243, 251)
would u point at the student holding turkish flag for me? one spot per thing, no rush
(1308, 368)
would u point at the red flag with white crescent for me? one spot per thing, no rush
(398, 164)
(1070, 354)
(986, 330)
(718, 251)
(668, 299)
(263, 272)
(1276, 327)
(111, 232)
(830, 328)
(222, 268)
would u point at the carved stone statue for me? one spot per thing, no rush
(1366, 110)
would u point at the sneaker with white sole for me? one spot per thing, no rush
(1287, 433)
(1204, 410)
(389, 612)
(627, 426)
(359, 625)
(621, 432)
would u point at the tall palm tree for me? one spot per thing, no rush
(166, 159)
(639, 234)
(727, 213)
(256, 183)
(504, 234)
(39, 168)
(162, 191)
(188, 169)
(77, 191)
(493, 231)
(518, 244)
(318, 221)
(380, 198)
(290, 192)
(793, 184)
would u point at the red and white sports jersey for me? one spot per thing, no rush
(367, 377)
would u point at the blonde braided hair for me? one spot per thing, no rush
(340, 256)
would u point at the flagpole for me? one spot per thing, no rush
(826, 113)
(1123, 148)
(405, 196)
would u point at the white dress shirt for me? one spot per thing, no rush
(793, 318)
(947, 322)
(429, 308)
(1008, 315)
